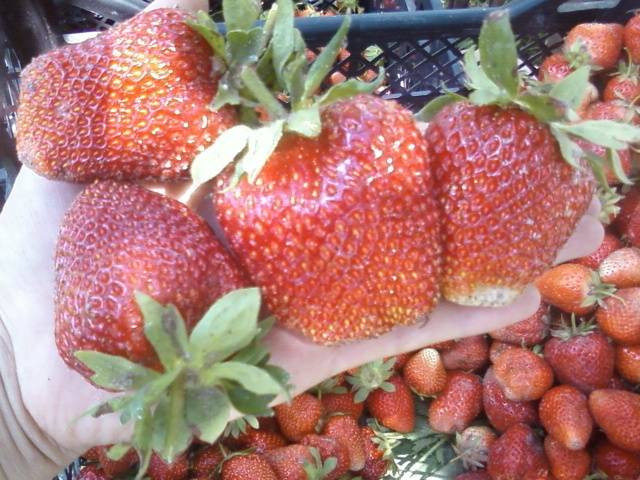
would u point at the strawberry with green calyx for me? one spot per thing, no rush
(609, 201)
(472, 446)
(596, 44)
(221, 363)
(509, 173)
(424, 373)
(333, 453)
(299, 417)
(624, 85)
(393, 408)
(371, 376)
(295, 192)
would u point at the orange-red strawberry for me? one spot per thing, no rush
(243, 467)
(628, 220)
(554, 68)
(288, 462)
(472, 446)
(401, 360)
(566, 464)
(161, 470)
(498, 348)
(632, 38)
(502, 412)
(572, 288)
(342, 403)
(116, 467)
(619, 317)
(300, 417)
(468, 354)
(376, 463)
(526, 332)
(628, 362)
(580, 357)
(131, 103)
(330, 447)
(119, 238)
(615, 462)
(517, 454)
(261, 440)
(564, 413)
(522, 374)
(617, 413)
(93, 472)
(479, 475)
(395, 409)
(625, 86)
(93, 454)
(424, 373)
(598, 44)
(443, 346)
(621, 268)
(206, 461)
(610, 243)
(458, 405)
(344, 428)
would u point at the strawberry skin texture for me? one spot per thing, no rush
(602, 41)
(526, 332)
(468, 354)
(176, 470)
(523, 375)
(566, 464)
(632, 38)
(617, 413)
(118, 238)
(619, 317)
(261, 440)
(288, 462)
(616, 462)
(394, 410)
(517, 455)
(586, 362)
(300, 417)
(93, 472)
(502, 412)
(345, 428)
(375, 465)
(480, 475)
(458, 405)
(244, 467)
(206, 461)
(621, 268)
(116, 467)
(509, 199)
(621, 88)
(628, 362)
(330, 447)
(610, 243)
(342, 403)
(564, 414)
(554, 68)
(424, 373)
(628, 220)
(567, 286)
(498, 348)
(132, 103)
(342, 232)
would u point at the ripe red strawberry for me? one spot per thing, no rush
(93, 472)
(116, 467)
(566, 464)
(598, 44)
(526, 332)
(288, 462)
(393, 409)
(131, 103)
(479, 475)
(517, 454)
(206, 461)
(610, 243)
(472, 446)
(616, 462)
(612, 110)
(401, 360)
(458, 405)
(619, 317)
(628, 362)
(93, 454)
(628, 221)
(617, 413)
(176, 470)
(242, 467)
(443, 346)
(625, 86)
(424, 373)
(572, 288)
(330, 447)
(621, 268)
(342, 403)
(502, 412)
(522, 374)
(300, 417)
(344, 428)
(498, 348)
(376, 463)
(564, 414)
(632, 38)
(580, 357)
(261, 440)
(338, 192)
(554, 68)
(118, 238)
(469, 354)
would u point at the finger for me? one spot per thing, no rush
(594, 207)
(186, 5)
(585, 240)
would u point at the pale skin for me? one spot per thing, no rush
(54, 394)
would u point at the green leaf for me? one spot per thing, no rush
(252, 378)
(329, 465)
(540, 106)
(570, 150)
(171, 435)
(430, 110)
(294, 79)
(252, 354)
(227, 93)
(281, 376)
(141, 440)
(262, 94)
(361, 395)
(228, 326)
(148, 395)
(485, 97)
(283, 42)
(325, 61)
(388, 387)
(570, 90)
(603, 132)
(117, 451)
(498, 53)
(616, 165)
(164, 328)
(305, 122)
(245, 46)
(262, 143)
(477, 79)
(240, 14)
(207, 28)
(214, 159)
(208, 411)
(349, 88)
(249, 403)
(115, 373)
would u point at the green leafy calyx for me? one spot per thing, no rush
(220, 365)
(370, 377)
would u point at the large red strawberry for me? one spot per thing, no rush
(502, 412)
(632, 38)
(598, 44)
(393, 408)
(616, 462)
(621, 268)
(425, 373)
(299, 417)
(522, 374)
(628, 362)
(131, 103)
(619, 317)
(526, 332)
(377, 460)
(517, 454)
(345, 429)
(458, 405)
(564, 414)
(566, 464)
(116, 239)
(617, 413)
